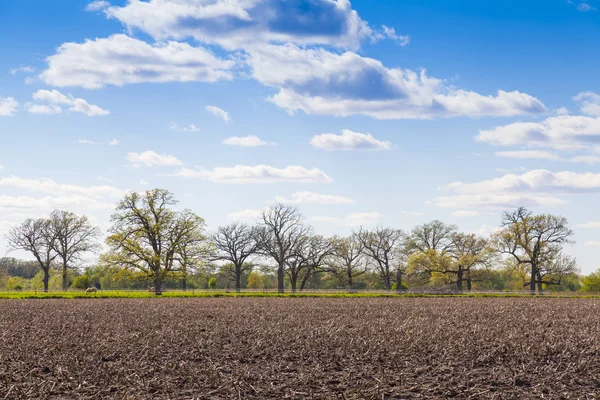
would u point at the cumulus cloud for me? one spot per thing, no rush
(150, 158)
(528, 154)
(321, 82)
(49, 186)
(218, 112)
(97, 5)
(246, 141)
(561, 132)
(349, 140)
(530, 189)
(8, 106)
(589, 225)
(236, 24)
(315, 198)
(24, 68)
(258, 174)
(351, 220)
(590, 103)
(113, 142)
(189, 128)
(47, 203)
(120, 59)
(585, 7)
(56, 99)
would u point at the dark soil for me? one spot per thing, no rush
(234, 348)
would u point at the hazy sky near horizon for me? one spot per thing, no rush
(393, 112)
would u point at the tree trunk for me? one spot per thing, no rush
(532, 280)
(540, 285)
(293, 280)
(238, 278)
(459, 279)
(398, 281)
(64, 277)
(350, 283)
(184, 283)
(387, 282)
(157, 286)
(469, 287)
(280, 288)
(305, 279)
(46, 279)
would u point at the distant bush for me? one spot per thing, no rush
(81, 282)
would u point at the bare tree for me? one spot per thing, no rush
(534, 241)
(309, 254)
(280, 231)
(348, 260)
(148, 235)
(236, 243)
(36, 237)
(75, 236)
(384, 247)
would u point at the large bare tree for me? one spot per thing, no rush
(281, 229)
(348, 260)
(236, 243)
(148, 235)
(36, 237)
(308, 256)
(384, 247)
(534, 241)
(74, 237)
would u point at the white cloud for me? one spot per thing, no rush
(33, 108)
(1, 166)
(244, 215)
(315, 198)
(584, 7)
(189, 128)
(97, 5)
(497, 201)
(218, 112)
(238, 24)
(525, 154)
(534, 181)
(530, 189)
(113, 142)
(8, 106)
(143, 183)
(351, 220)
(564, 132)
(25, 68)
(48, 186)
(259, 174)
(589, 225)
(390, 33)
(150, 158)
(320, 82)
(86, 141)
(56, 98)
(591, 243)
(349, 140)
(48, 203)
(120, 59)
(585, 159)
(590, 103)
(246, 141)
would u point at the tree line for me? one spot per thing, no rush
(151, 239)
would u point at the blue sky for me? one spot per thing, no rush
(386, 112)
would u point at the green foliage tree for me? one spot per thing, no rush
(535, 242)
(591, 283)
(147, 235)
(81, 282)
(256, 280)
(212, 283)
